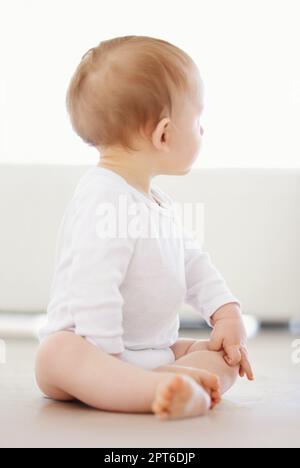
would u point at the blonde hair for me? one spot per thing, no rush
(123, 86)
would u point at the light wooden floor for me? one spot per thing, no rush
(261, 414)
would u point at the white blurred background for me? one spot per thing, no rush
(247, 53)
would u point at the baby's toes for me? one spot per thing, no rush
(163, 401)
(211, 382)
(215, 382)
(166, 394)
(216, 398)
(176, 384)
(160, 408)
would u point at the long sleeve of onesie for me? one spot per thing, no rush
(207, 290)
(98, 268)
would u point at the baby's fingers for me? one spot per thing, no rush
(246, 368)
(233, 355)
(215, 342)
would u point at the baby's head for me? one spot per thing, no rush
(139, 96)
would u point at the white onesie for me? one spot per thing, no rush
(123, 268)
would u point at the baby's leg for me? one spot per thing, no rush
(199, 357)
(68, 367)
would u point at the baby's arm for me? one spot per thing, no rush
(229, 334)
(209, 294)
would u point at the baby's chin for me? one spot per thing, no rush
(177, 172)
(183, 172)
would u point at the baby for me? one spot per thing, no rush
(111, 337)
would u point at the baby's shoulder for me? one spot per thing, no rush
(94, 189)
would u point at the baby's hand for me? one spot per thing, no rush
(229, 335)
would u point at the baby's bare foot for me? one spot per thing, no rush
(210, 382)
(180, 398)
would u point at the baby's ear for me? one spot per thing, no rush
(161, 135)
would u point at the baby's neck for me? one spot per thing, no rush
(138, 176)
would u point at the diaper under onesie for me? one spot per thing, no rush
(149, 359)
